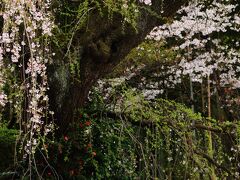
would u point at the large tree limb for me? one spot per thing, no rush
(101, 47)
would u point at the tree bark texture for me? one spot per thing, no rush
(101, 47)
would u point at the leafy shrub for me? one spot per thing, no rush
(7, 143)
(143, 139)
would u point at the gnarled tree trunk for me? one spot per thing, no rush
(101, 47)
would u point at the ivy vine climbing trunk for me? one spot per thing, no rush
(101, 47)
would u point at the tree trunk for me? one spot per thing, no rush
(101, 47)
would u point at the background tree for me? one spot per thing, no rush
(125, 127)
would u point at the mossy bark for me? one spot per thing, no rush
(103, 45)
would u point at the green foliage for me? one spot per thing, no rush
(170, 141)
(7, 144)
(149, 53)
(156, 139)
(94, 147)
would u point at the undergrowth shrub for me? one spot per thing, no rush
(7, 144)
(146, 140)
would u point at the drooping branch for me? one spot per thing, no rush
(152, 123)
(207, 128)
(149, 123)
(212, 161)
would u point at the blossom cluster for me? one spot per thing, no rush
(194, 34)
(27, 24)
(201, 53)
(199, 19)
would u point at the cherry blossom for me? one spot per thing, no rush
(37, 22)
(147, 2)
(194, 30)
